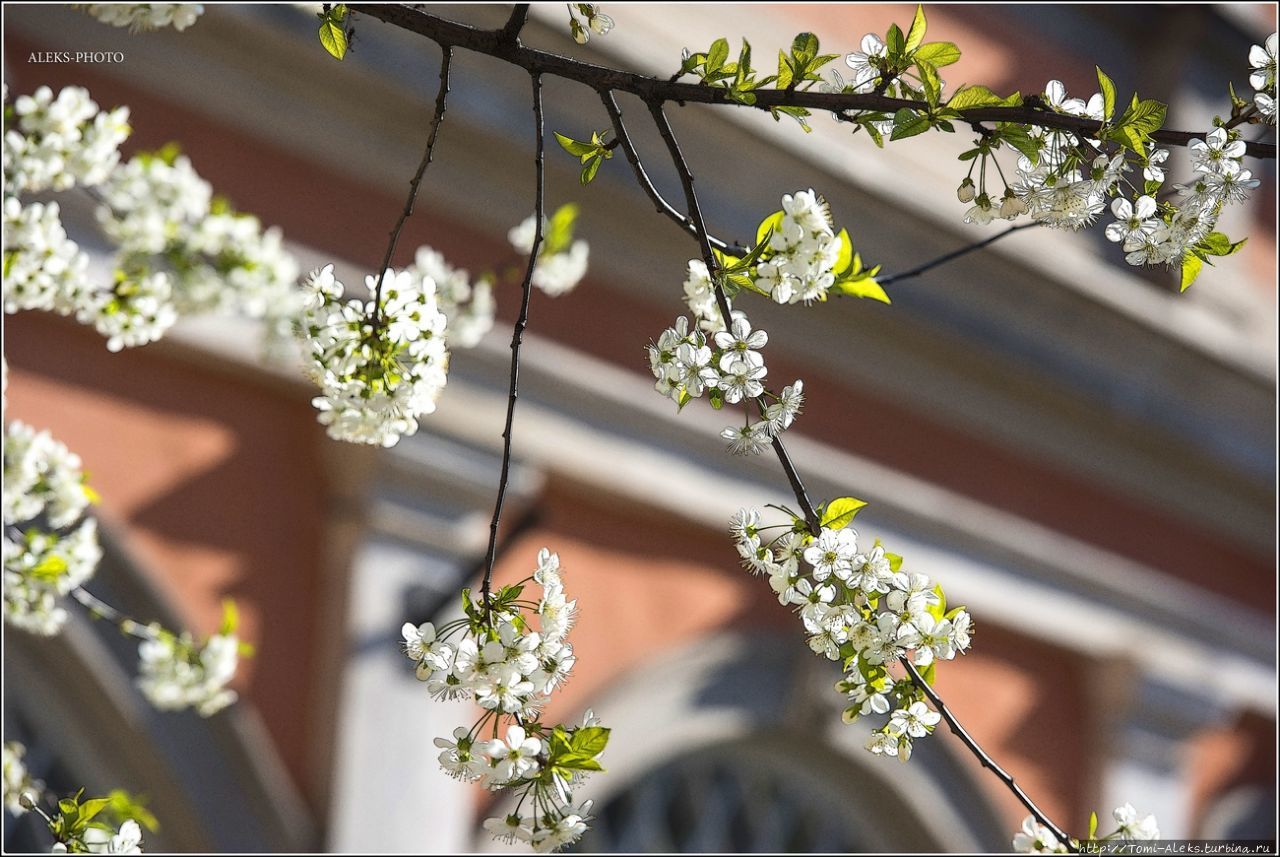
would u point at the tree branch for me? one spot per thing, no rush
(654, 90)
(642, 178)
(517, 337)
(954, 254)
(722, 301)
(436, 121)
(511, 30)
(985, 760)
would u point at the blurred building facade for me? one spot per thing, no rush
(1079, 454)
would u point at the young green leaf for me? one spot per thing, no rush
(938, 54)
(334, 37)
(916, 34)
(1191, 265)
(1108, 90)
(908, 123)
(840, 512)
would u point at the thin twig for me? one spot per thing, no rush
(982, 756)
(436, 121)
(100, 609)
(646, 184)
(651, 89)
(722, 301)
(954, 254)
(517, 336)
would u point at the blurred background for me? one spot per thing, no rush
(1082, 456)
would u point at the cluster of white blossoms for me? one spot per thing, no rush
(46, 555)
(1069, 187)
(562, 263)
(1035, 838)
(164, 216)
(859, 608)
(174, 673)
(57, 143)
(1262, 59)
(180, 249)
(380, 365)
(804, 250)
(146, 16)
(468, 307)
(495, 657)
(17, 780)
(729, 367)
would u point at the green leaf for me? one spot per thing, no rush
(931, 82)
(785, 70)
(1093, 826)
(576, 762)
(334, 38)
(1218, 244)
(895, 560)
(974, 96)
(230, 616)
(91, 808)
(767, 226)
(844, 260)
(574, 147)
(938, 54)
(908, 123)
(930, 673)
(1108, 93)
(559, 232)
(840, 512)
(805, 45)
(863, 287)
(939, 610)
(1191, 265)
(894, 41)
(49, 569)
(717, 54)
(1017, 137)
(590, 170)
(916, 34)
(590, 740)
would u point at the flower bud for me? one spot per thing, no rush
(966, 193)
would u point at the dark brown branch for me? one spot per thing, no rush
(511, 30)
(654, 90)
(517, 337)
(437, 120)
(954, 254)
(981, 755)
(722, 301)
(646, 184)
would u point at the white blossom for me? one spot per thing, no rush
(175, 673)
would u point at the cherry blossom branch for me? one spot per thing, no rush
(981, 755)
(709, 259)
(642, 178)
(695, 216)
(653, 90)
(436, 121)
(517, 337)
(954, 254)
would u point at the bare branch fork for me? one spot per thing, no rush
(517, 337)
(437, 120)
(500, 45)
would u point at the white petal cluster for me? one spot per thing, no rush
(164, 216)
(174, 673)
(1035, 838)
(17, 781)
(379, 368)
(468, 307)
(46, 555)
(805, 250)
(62, 142)
(1262, 61)
(44, 269)
(857, 609)
(146, 16)
(558, 271)
(729, 366)
(865, 64)
(510, 670)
